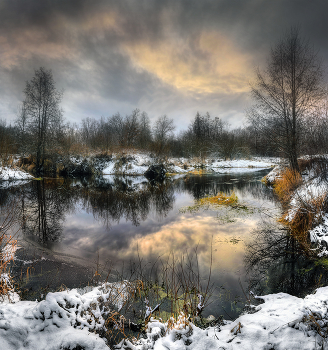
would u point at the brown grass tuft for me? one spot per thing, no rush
(308, 213)
(287, 183)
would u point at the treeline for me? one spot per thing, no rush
(205, 136)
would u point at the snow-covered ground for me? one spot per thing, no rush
(13, 174)
(68, 319)
(138, 163)
(245, 163)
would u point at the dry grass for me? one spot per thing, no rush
(306, 217)
(215, 202)
(285, 186)
(220, 199)
(177, 297)
(309, 212)
(199, 172)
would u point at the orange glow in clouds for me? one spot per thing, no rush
(217, 67)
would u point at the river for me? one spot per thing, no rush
(124, 227)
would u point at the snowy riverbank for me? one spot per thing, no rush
(10, 177)
(309, 198)
(69, 319)
(14, 174)
(138, 163)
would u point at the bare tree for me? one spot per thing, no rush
(21, 123)
(131, 128)
(163, 129)
(43, 114)
(117, 129)
(286, 94)
(8, 140)
(145, 131)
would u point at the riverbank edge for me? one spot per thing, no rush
(130, 164)
(304, 199)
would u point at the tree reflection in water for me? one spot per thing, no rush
(275, 262)
(45, 204)
(121, 200)
(57, 210)
(245, 183)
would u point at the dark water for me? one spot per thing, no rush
(125, 224)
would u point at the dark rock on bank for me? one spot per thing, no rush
(156, 173)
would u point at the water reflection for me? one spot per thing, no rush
(275, 262)
(130, 203)
(44, 206)
(247, 185)
(125, 219)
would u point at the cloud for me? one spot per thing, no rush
(173, 57)
(207, 64)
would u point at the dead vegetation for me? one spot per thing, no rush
(216, 202)
(303, 209)
(287, 183)
(170, 291)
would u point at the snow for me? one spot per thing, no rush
(274, 174)
(12, 174)
(8, 251)
(69, 318)
(242, 163)
(319, 234)
(63, 320)
(307, 195)
(133, 164)
(238, 170)
(138, 163)
(109, 169)
(282, 322)
(310, 196)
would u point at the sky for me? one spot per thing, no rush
(173, 57)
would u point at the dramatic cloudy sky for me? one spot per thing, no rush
(162, 56)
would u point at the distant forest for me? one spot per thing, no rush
(205, 136)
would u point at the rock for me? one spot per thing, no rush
(324, 244)
(155, 173)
